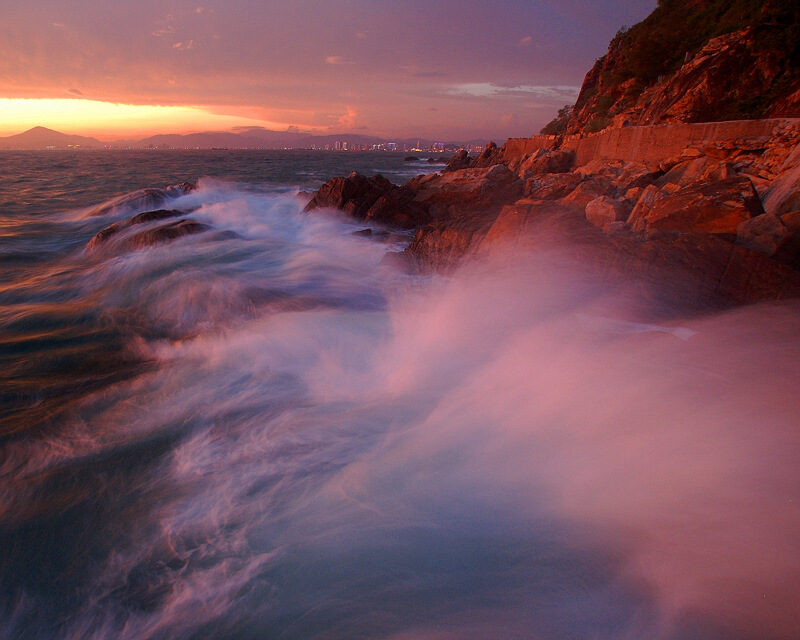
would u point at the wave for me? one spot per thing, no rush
(323, 447)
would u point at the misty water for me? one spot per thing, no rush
(265, 431)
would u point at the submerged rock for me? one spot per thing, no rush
(165, 233)
(150, 198)
(148, 216)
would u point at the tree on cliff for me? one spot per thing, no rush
(558, 125)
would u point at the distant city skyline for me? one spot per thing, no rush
(436, 68)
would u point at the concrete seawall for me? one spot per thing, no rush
(646, 144)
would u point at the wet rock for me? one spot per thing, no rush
(148, 216)
(165, 233)
(354, 194)
(150, 198)
(397, 208)
(410, 159)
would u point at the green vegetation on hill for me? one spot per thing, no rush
(677, 29)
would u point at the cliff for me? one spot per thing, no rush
(696, 61)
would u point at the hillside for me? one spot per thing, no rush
(43, 138)
(695, 61)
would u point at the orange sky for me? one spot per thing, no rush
(454, 69)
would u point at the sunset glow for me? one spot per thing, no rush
(90, 117)
(354, 66)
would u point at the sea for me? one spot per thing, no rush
(268, 430)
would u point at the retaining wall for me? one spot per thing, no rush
(646, 144)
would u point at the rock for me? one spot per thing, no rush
(489, 156)
(783, 194)
(148, 216)
(552, 186)
(765, 234)
(710, 86)
(467, 189)
(638, 218)
(165, 233)
(143, 199)
(707, 207)
(459, 161)
(410, 159)
(546, 161)
(632, 195)
(397, 208)
(355, 194)
(684, 173)
(588, 190)
(634, 175)
(604, 210)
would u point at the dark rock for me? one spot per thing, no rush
(459, 161)
(144, 198)
(397, 208)
(165, 233)
(354, 194)
(410, 159)
(147, 216)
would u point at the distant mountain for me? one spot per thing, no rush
(43, 138)
(242, 138)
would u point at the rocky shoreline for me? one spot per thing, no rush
(714, 226)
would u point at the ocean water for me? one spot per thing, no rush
(264, 431)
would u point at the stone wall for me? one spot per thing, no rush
(646, 144)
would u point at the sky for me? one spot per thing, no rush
(442, 69)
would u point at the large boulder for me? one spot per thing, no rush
(774, 236)
(467, 189)
(354, 194)
(397, 208)
(783, 194)
(605, 210)
(707, 207)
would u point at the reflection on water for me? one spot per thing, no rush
(260, 431)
